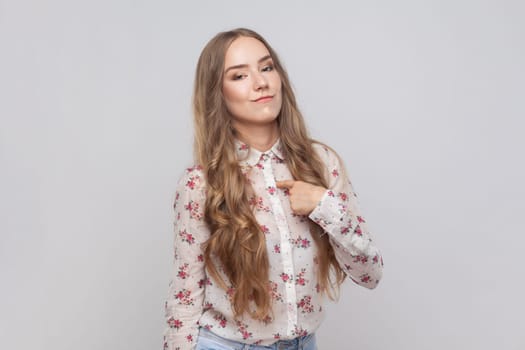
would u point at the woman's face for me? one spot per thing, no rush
(251, 86)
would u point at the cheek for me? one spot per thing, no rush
(278, 84)
(279, 91)
(233, 99)
(233, 94)
(278, 81)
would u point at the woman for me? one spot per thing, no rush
(267, 223)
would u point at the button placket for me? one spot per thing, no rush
(286, 247)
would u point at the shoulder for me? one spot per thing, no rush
(190, 196)
(326, 154)
(192, 179)
(335, 170)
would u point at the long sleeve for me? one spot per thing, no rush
(339, 214)
(184, 304)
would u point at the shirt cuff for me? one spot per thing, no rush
(329, 212)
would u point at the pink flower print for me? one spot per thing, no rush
(192, 181)
(245, 334)
(174, 323)
(194, 209)
(335, 173)
(258, 204)
(285, 277)
(184, 295)
(189, 338)
(276, 336)
(189, 206)
(183, 271)
(277, 248)
(360, 219)
(221, 319)
(222, 323)
(303, 242)
(361, 258)
(343, 196)
(200, 258)
(230, 292)
(375, 260)
(345, 229)
(265, 229)
(300, 242)
(243, 147)
(259, 165)
(305, 305)
(271, 190)
(299, 279)
(207, 306)
(365, 278)
(273, 291)
(243, 329)
(331, 193)
(204, 282)
(358, 231)
(187, 237)
(299, 332)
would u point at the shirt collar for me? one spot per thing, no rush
(250, 156)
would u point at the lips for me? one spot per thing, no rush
(264, 99)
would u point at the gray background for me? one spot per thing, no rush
(423, 99)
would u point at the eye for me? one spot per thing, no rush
(268, 68)
(238, 76)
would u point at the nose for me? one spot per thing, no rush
(260, 81)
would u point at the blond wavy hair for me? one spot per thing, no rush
(236, 240)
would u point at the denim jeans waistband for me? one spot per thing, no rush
(296, 343)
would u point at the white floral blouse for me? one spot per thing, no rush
(195, 300)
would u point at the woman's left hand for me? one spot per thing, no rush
(304, 197)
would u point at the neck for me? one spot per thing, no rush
(261, 137)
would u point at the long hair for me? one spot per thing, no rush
(237, 241)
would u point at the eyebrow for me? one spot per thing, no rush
(262, 59)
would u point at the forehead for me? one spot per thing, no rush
(245, 50)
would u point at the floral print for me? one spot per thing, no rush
(301, 242)
(299, 279)
(194, 300)
(184, 297)
(305, 305)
